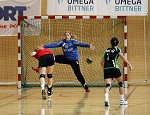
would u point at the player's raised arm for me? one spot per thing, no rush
(53, 45)
(125, 60)
(81, 44)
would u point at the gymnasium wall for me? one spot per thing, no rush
(138, 51)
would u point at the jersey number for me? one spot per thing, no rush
(112, 60)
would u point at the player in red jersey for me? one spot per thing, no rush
(46, 61)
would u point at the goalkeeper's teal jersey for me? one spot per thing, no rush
(111, 57)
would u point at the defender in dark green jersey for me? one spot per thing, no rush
(109, 63)
(111, 57)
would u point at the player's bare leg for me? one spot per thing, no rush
(106, 91)
(42, 81)
(50, 80)
(121, 91)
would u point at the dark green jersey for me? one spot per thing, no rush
(111, 58)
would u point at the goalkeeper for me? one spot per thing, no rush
(69, 48)
(46, 61)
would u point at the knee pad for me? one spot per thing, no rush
(42, 75)
(49, 75)
(108, 86)
(121, 84)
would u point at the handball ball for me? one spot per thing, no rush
(89, 60)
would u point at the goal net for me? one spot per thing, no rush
(97, 32)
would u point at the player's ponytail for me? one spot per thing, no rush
(74, 36)
(114, 42)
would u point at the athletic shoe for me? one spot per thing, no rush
(123, 102)
(49, 91)
(43, 94)
(86, 88)
(106, 102)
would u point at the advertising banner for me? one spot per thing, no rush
(98, 7)
(11, 9)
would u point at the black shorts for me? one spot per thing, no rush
(112, 73)
(61, 59)
(46, 60)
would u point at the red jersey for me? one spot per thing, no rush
(42, 51)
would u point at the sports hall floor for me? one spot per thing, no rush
(73, 101)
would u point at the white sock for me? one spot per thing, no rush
(42, 86)
(106, 96)
(122, 97)
(84, 84)
(49, 86)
